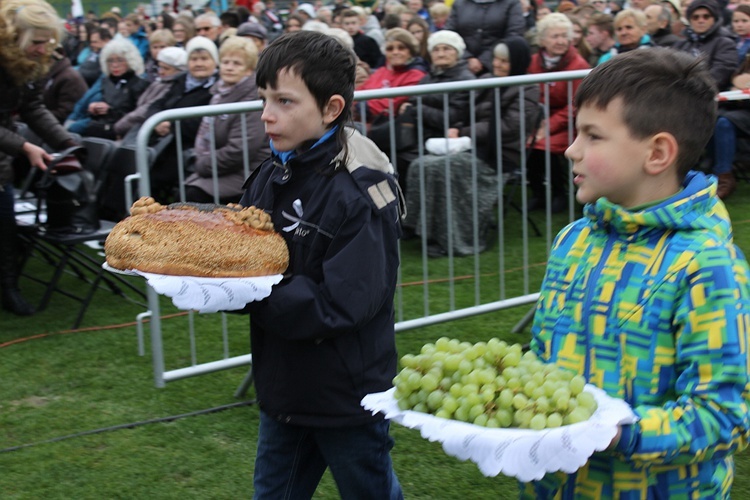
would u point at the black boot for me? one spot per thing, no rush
(9, 267)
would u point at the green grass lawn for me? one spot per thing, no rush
(56, 383)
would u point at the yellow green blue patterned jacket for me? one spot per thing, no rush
(653, 306)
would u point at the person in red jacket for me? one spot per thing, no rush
(556, 53)
(403, 67)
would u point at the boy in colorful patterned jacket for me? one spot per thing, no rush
(646, 295)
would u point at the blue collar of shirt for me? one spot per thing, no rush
(285, 156)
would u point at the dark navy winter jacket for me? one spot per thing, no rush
(324, 338)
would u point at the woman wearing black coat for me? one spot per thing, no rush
(190, 89)
(114, 95)
(446, 48)
(482, 24)
(29, 32)
(471, 189)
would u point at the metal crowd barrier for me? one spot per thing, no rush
(438, 296)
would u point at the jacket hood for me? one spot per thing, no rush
(362, 152)
(695, 208)
(710, 5)
(716, 30)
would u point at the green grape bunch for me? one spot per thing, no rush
(492, 384)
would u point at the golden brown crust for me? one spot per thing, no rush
(189, 240)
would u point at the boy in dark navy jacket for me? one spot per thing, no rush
(324, 338)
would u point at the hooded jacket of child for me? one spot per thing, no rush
(324, 338)
(653, 306)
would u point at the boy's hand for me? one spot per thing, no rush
(452, 133)
(615, 439)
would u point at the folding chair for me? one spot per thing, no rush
(65, 253)
(62, 249)
(99, 152)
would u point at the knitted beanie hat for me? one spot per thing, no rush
(203, 43)
(174, 56)
(447, 37)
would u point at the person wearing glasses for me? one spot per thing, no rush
(114, 95)
(208, 25)
(403, 67)
(706, 37)
(29, 32)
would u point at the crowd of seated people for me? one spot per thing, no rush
(430, 175)
(119, 88)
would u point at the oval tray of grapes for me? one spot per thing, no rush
(501, 408)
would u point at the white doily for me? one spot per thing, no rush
(524, 454)
(207, 295)
(444, 146)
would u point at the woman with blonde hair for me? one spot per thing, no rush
(183, 29)
(630, 33)
(237, 59)
(29, 32)
(556, 53)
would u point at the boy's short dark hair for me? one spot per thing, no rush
(662, 90)
(321, 61)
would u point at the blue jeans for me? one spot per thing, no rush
(723, 144)
(292, 459)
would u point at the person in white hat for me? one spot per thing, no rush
(172, 62)
(190, 89)
(307, 10)
(446, 49)
(220, 138)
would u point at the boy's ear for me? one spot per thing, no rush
(333, 109)
(663, 153)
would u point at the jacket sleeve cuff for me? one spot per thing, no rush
(629, 437)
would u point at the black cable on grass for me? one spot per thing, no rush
(132, 425)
